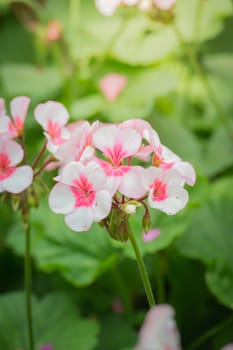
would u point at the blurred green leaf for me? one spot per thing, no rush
(64, 328)
(79, 257)
(27, 79)
(200, 20)
(209, 239)
(219, 153)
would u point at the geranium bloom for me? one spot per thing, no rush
(112, 84)
(164, 4)
(164, 158)
(81, 195)
(166, 191)
(159, 330)
(228, 347)
(11, 128)
(13, 179)
(117, 144)
(53, 116)
(79, 146)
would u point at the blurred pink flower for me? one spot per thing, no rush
(112, 84)
(117, 306)
(47, 347)
(54, 30)
(159, 330)
(149, 236)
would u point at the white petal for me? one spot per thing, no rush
(149, 175)
(178, 198)
(105, 137)
(107, 7)
(95, 175)
(71, 172)
(53, 111)
(14, 152)
(131, 185)
(2, 107)
(103, 203)
(61, 199)
(130, 139)
(19, 107)
(80, 219)
(187, 171)
(172, 176)
(20, 179)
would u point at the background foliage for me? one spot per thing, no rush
(180, 78)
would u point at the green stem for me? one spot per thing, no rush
(142, 269)
(210, 333)
(122, 288)
(27, 271)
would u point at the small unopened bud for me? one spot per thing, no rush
(130, 207)
(15, 201)
(146, 222)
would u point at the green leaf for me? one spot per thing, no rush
(219, 153)
(209, 239)
(200, 20)
(56, 322)
(79, 257)
(87, 106)
(27, 79)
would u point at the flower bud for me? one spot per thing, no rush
(118, 225)
(146, 222)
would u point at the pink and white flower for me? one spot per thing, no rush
(164, 4)
(13, 179)
(53, 116)
(80, 145)
(11, 128)
(159, 330)
(112, 84)
(81, 195)
(117, 144)
(148, 134)
(2, 107)
(164, 158)
(166, 191)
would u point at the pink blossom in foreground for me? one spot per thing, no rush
(11, 128)
(228, 347)
(164, 4)
(81, 196)
(53, 116)
(166, 191)
(13, 179)
(116, 144)
(112, 85)
(159, 330)
(151, 235)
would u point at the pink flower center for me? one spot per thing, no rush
(83, 192)
(54, 130)
(159, 190)
(18, 123)
(115, 154)
(5, 171)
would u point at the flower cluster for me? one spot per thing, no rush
(106, 171)
(108, 7)
(13, 178)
